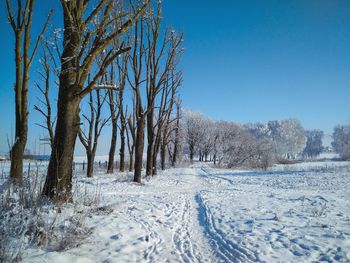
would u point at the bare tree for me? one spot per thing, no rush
(21, 24)
(95, 125)
(135, 80)
(168, 126)
(114, 112)
(122, 69)
(161, 56)
(85, 36)
(155, 82)
(45, 76)
(116, 106)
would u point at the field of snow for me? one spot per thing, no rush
(291, 213)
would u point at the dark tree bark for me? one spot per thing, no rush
(131, 138)
(150, 141)
(162, 155)
(110, 165)
(21, 25)
(139, 145)
(155, 153)
(122, 147)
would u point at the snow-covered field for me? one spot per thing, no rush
(292, 213)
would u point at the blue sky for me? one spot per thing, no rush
(245, 61)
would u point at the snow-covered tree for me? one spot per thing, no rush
(288, 136)
(341, 141)
(206, 145)
(194, 123)
(313, 143)
(266, 148)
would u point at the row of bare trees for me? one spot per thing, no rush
(116, 57)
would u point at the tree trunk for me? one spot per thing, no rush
(154, 162)
(122, 148)
(139, 145)
(131, 161)
(176, 146)
(58, 184)
(191, 154)
(150, 142)
(174, 159)
(162, 156)
(149, 165)
(155, 155)
(16, 170)
(110, 168)
(90, 164)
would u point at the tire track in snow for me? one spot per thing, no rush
(225, 250)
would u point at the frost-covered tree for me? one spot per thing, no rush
(341, 141)
(235, 146)
(313, 143)
(206, 145)
(266, 151)
(259, 130)
(194, 123)
(288, 136)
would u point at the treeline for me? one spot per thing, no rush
(257, 145)
(119, 60)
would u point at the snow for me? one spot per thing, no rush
(290, 213)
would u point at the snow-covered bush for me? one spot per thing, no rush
(341, 141)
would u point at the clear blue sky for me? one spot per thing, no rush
(245, 61)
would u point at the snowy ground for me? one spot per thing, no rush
(292, 213)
